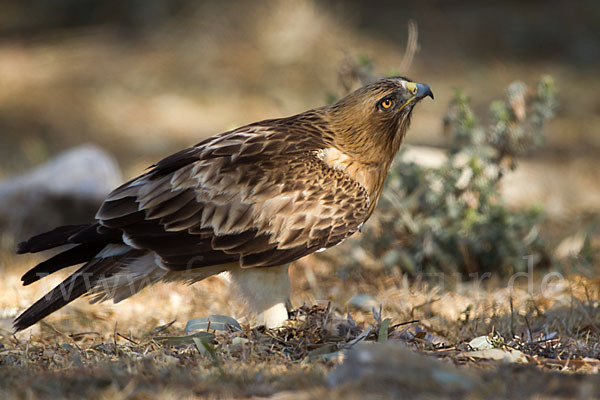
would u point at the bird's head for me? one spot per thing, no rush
(371, 122)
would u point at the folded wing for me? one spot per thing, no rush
(254, 195)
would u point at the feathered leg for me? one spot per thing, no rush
(266, 291)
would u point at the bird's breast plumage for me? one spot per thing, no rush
(365, 175)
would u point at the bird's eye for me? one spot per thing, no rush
(414, 90)
(387, 104)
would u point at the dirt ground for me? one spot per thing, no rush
(363, 333)
(119, 351)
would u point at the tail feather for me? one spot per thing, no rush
(90, 238)
(70, 289)
(100, 248)
(96, 232)
(79, 283)
(73, 256)
(70, 234)
(49, 240)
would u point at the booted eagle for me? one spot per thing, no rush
(247, 201)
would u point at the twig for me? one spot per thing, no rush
(528, 328)
(115, 340)
(158, 329)
(411, 46)
(128, 339)
(414, 321)
(512, 317)
(77, 335)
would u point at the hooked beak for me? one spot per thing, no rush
(423, 91)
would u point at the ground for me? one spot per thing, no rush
(128, 350)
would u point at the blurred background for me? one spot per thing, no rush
(141, 79)
(135, 80)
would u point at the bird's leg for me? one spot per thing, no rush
(265, 291)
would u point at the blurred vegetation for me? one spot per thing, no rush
(451, 218)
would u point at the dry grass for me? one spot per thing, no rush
(115, 351)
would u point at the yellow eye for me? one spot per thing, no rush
(387, 103)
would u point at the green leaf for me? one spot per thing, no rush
(383, 331)
(205, 347)
(214, 322)
(200, 345)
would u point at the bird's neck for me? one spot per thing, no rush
(364, 154)
(370, 175)
(371, 145)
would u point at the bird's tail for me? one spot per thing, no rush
(102, 251)
(111, 269)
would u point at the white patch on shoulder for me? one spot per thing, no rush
(334, 158)
(341, 161)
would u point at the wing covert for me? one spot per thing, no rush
(258, 196)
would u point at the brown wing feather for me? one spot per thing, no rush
(257, 195)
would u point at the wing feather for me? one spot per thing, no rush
(187, 223)
(185, 212)
(259, 196)
(172, 205)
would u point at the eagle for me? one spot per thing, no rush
(247, 201)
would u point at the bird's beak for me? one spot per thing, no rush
(423, 91)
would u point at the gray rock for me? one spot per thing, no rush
(66, 190)
(390, 367)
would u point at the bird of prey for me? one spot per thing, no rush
(247, 201)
